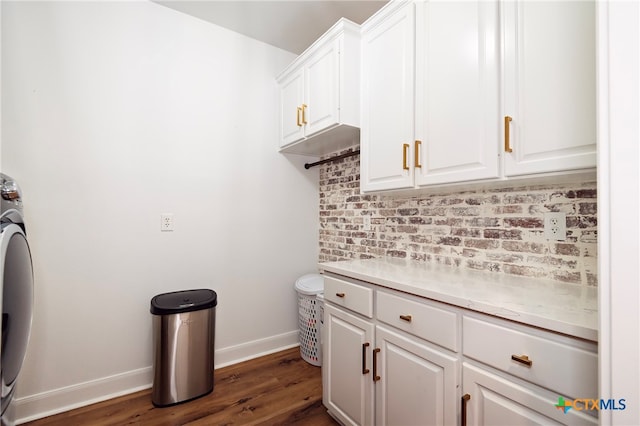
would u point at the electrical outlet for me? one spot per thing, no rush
(166, 222)
(366, 223)
(555, 226)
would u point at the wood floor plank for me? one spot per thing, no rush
(277, 389)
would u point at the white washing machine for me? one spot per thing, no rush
(16, 292)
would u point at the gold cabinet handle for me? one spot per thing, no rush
(507, 143)
(407, 318)
(304, 115)
(375, 364)
(365, 370)
(298, 112)
(405, 154)
(416, 162)
(463, 415)
(522, 359)
(340, 294)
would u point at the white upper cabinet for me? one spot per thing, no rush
(457, 91)
(319, 94)
(549, 85)
(430, 95)
(386, 137)
(461, 91)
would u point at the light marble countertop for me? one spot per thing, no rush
(564, 308)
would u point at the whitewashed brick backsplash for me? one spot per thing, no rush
(497, 230)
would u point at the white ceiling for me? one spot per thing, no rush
(290, 25)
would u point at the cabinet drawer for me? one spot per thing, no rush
(428, 322)
(352, 296)
(570, 370)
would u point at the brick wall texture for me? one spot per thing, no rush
(497, 230)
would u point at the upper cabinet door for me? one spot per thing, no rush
(386, 134)
(322, 73)
(457, 87)
(550, 86)
(291, 100)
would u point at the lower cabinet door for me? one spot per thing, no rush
(417, 384)
(495, 400)
(348, 344)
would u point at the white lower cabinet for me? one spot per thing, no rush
(416, 384)
(514, 374)
(498, 399)
(347, 387)
(374, 373)
(392, 358)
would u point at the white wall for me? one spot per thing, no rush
(116, 112)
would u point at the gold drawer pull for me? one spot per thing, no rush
(365, 370)
(375, 364)
(407, 318)
(522, 359)
(304, 115)
(507, 143)
(416, 155)
(340, 294)
(463, 416)
(405, 155)
(298, 112)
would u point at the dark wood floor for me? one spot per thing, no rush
(278, 389)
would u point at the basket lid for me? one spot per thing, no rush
(310, 284)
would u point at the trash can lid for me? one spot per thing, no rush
(183, 301)
(310, 284)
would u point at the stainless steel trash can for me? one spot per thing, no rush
(183, 339)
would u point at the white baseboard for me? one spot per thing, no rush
(33, 407)
(56, 401)
(256, 348)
